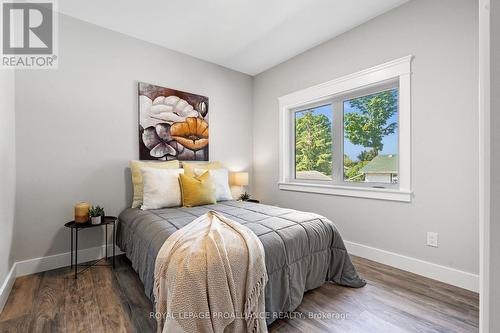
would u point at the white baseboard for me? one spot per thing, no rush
(441, 273)
(7, 286)
(42, 264)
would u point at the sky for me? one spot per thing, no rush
(390, 141)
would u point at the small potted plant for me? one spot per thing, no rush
(244, 196)
(96, 213)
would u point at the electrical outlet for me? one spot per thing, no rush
(432, 239)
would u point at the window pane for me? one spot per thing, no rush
(371, 138)
(313, 143)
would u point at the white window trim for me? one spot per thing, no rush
(397, 69)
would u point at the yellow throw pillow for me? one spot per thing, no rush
(190, 166)
(197, 191)
(135, 168)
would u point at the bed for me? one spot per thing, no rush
(302, 250)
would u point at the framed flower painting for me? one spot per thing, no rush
(172, 124)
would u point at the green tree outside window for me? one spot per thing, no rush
(313, 143)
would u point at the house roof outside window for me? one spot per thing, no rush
(382, 164)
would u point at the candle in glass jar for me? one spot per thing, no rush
(82, 212)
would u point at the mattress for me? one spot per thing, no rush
(302, 250)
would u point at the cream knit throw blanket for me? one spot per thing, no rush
(210, 277)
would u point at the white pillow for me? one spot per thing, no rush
(220, 178)
(161, 188)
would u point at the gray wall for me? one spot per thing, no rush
(8, 169)
(77, 127)
(495, 167)
(442, 35)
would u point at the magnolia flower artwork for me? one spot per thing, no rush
(172, 124)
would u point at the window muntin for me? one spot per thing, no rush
(370, 126)
(313, 143)
(343, 112)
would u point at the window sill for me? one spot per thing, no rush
(348, 191)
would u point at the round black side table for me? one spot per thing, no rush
(105, 221)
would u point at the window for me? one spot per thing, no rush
(370, 127)
(350, 136)
(313, 143)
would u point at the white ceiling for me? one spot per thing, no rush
(249, 36)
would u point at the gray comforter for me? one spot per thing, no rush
(303, 250)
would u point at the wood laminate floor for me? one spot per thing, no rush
(103, 300)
